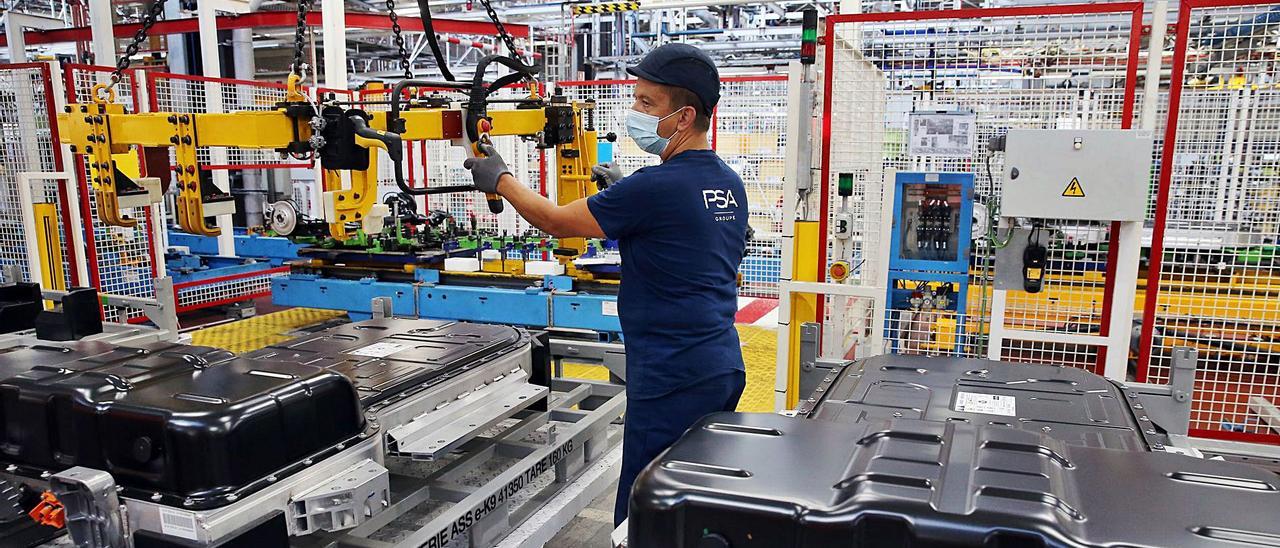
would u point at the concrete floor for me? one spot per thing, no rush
(592, 527)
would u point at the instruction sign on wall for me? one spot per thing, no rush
(943, 133)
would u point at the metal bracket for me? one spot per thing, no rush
(1266, 411)
(381, 307)
(358, 493)
(160, 310)
(10, 274)
(1169, 406)
(152, 195)
(95, 517)
(809, 334)
(613, 356)
(435, 433)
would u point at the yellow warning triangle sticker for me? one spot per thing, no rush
(1074, 190)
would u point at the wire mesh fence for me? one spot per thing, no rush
(1212, 281)
(1042, 67)
(224, 290)
(749, 134)
(27, 144)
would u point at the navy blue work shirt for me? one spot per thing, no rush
(682, 230)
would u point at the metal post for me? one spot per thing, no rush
(104, 39)
(177, 60)
(211, 65)
(799, 175)
(24, 100)
(1130, 240)
(335, 43)
(177, 43)
(75, 240)
(255, 183)
(26, 206)
(159, 224)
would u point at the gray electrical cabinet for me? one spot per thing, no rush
(1085, 174)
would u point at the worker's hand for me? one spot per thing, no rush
(487, 171)
(608, 172)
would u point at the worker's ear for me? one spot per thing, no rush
(688, 115)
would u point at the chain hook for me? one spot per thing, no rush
(104, 93)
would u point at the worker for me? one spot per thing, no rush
(681, 227)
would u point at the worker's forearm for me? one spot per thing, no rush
(539, 211)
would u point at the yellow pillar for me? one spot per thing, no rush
(49, 244)
(804, 306)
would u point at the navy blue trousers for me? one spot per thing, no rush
(652, 425)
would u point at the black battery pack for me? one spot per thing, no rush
(386, 357)
(764, 480)
(190, 427)
(1064, 403)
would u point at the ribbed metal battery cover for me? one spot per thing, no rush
(737, 480)
(1064, 403)
(385, 356)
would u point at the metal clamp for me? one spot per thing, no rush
(94, 515)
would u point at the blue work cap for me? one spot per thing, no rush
(682, 66)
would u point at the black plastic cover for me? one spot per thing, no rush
(77, 315)
(16, 360)
(19, 304)
(738, 480)
(1069, 404)
(385, 357)
(340, 150)
(189, 423)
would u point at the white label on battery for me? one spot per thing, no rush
(178, 523)
(989, 404)
(609, 308)
(379, 350)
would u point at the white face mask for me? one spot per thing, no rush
(643, 129)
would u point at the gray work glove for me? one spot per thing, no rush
(486, 172)
(606, 174)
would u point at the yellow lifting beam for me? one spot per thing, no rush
(103, 128)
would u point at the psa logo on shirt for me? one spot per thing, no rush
(722, 200)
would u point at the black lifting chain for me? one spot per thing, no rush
(398, 37)
(299, 36)
(502, 31)
(148, 21)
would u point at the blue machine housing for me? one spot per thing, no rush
(903, 267)
(554, 304)
(270, 249)
(201, 262)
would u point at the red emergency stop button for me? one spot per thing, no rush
(839, 270)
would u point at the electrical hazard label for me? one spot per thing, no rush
(1074, 190)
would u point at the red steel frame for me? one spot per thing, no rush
(1131, 74)
(1156, 256)
(760, 78)
(52, 112)
(270, 19)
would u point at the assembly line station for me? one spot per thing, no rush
(881, 272)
